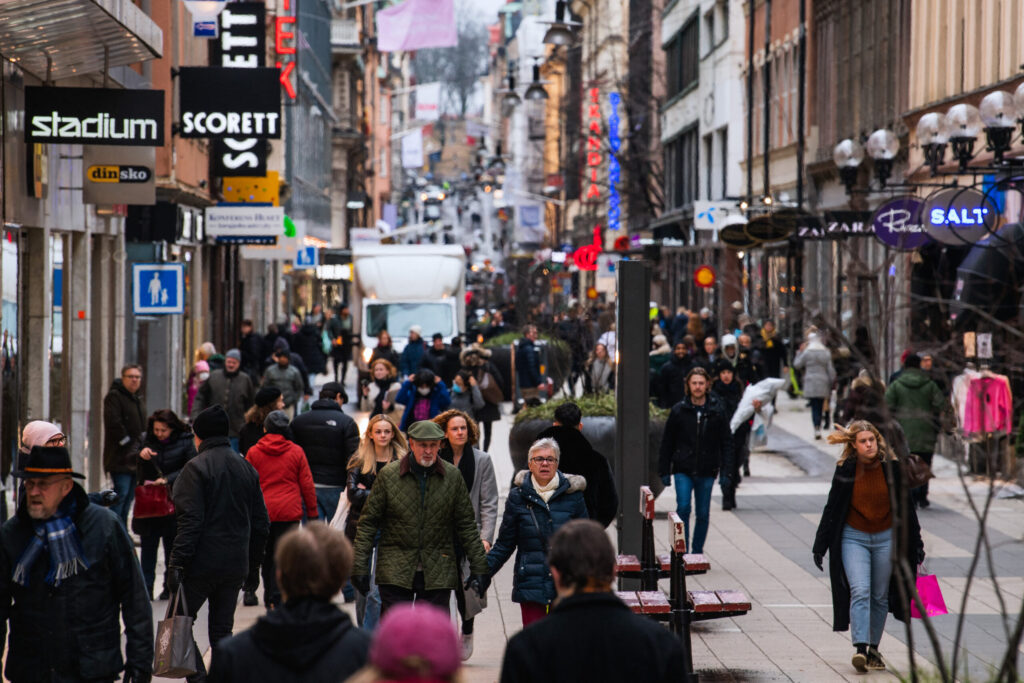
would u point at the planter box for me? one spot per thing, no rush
(600, 432)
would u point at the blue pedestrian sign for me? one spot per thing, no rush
(158, 288)
(307, 257)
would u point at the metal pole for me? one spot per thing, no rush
(767, 81)
(750, 106)
(801, 106)
(631, 395)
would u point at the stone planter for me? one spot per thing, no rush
(599, 431)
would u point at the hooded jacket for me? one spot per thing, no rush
(124, 424)
(527, 526)
(284, 478)
(916, 402)
(819, 373)
(579, 457)
(329, 438)
(308, 343)
(233, 391)
(697, 446)
(528, 374)
(439, 398)
(412, 358)
(73, 631)
(305, 640)
(222, 519)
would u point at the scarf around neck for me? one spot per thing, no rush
(545, 492)
(59, 537)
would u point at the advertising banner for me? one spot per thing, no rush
(118, 175)
(412, 149)
(416, 25)
(245, 223)
(428, 102)
(94, 116)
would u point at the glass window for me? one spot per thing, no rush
(682, 56)
(398, 318)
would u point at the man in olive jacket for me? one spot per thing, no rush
(916, 402)
(419, 504)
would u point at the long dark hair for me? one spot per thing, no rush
(169, 418)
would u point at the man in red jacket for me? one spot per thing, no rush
(287, 483)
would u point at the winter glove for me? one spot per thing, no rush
(133, 674)
(666, 480)
(175, 575)
(361, 583)
(817, 561)
(479, 583)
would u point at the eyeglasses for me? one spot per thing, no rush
(42, 484)
(543, 461)
(59, 440)
(133, 376)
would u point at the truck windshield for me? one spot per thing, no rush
(397, 318)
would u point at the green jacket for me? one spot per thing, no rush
(418, 527)
(916, 402)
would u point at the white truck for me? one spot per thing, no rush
(400, 285)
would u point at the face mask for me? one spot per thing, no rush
(457, 389)
(203, 376)
(424, 391)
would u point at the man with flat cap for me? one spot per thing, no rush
(222, 527)
(68, 574)
(419, 505)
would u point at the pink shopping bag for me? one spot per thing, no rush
(931, 597)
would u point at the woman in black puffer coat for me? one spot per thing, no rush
(168, 446)
(540, 501)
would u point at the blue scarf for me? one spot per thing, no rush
(59, 537)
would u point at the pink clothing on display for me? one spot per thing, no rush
(988, 407)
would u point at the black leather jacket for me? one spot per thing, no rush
(697, 444)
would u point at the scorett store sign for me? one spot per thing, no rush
(94, 116)
(219, 102)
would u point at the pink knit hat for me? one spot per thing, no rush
(415, 644)
(37, 433)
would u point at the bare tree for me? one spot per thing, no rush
(459, 67)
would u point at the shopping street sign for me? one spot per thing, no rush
(158, 288)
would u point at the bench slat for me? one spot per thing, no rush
(631, 600)
(654, 602)
(676, 533)
(696, 563)
(705, 601)
(646, 502)
(734, 601)
(628, 563)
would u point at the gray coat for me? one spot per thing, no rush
(288, 379)
(819, 373)
(235, 393)
(484, 496)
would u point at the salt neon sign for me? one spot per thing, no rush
(614, 171)
(284, 46)
(958, 216)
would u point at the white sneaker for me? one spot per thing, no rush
(467, 646)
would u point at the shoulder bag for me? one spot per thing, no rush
(153, 500)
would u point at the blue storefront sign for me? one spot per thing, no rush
(959, 216)
(614, 170)
(897, 224)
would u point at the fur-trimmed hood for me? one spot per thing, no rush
(474, 356)
(576, 482)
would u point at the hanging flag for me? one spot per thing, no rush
(412, 149)
(416, 25)
(428, 102)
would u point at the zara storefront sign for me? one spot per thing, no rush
(219, 102)
(94, 116)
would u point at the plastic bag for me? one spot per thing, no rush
(758, 433)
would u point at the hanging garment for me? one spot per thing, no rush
(989, 406)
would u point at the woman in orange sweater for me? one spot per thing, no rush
(868, 518)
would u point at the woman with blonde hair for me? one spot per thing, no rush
(867, 518)
(382, 443)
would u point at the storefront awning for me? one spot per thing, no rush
(65, 38)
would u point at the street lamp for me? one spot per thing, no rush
(560, 31)
(964, 124)
(932, 135)
(536, 90)
(999, 116)
(882, 148)
(509, 96)
(848, 156)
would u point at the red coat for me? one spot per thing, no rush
(284, 477)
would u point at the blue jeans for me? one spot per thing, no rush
(867, 562)
(327, 502)
(124, 484)
(368, 606)
(817, 408)
(700, 488)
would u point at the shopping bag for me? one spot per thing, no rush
(341, 513)
(175, 652)
(758, 433)
(931, 597)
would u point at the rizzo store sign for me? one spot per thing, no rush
(242, 45)
(118, 175)
(218, 102)
(94, 116)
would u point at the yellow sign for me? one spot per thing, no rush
(253, 189)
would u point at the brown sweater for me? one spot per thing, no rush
(870, 511)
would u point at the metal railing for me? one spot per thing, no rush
(344, 33)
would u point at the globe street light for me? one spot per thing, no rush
(932, 135)
(999, 115)
(560, 31)
(964, 124)
(882, 148)
(848, 156)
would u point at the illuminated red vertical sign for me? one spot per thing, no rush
(284, 47)
(594, 155)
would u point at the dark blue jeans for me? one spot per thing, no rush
(124, 484)
(700, 488)
(327, 502)
(817, 406)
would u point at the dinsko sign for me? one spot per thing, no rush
(94, 116)
(219, 102)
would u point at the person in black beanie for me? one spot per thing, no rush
(730, 388)
(267, 400)
(221, 536)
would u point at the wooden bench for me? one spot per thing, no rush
(650, 567)
(681, 607)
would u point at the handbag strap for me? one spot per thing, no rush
(172, 605)
(543, 538)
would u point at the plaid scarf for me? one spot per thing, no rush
(59, 537)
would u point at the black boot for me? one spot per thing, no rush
(249, 599)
